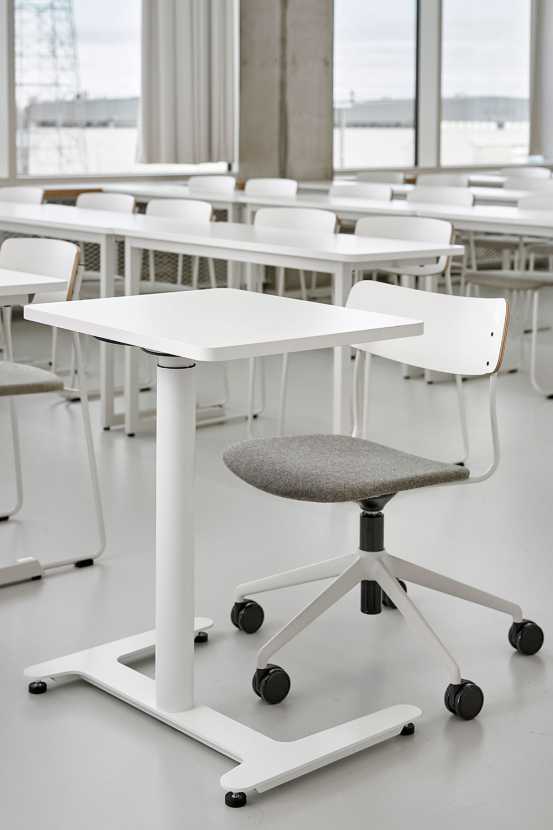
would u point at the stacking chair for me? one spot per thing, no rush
(384, 176)
(22, 195)
(522, 284)
(187, 211)
(214, 185)
(279, 188)
(529, 183)
(59, 258)
(119, 202)
(462, 336)
(442, 180)
(295, 219)
(441, 195)
(529, 172)
(362, 190)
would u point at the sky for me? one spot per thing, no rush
(485, 48)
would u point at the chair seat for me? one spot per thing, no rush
(510, 280)
(333, 468)
(20, 379)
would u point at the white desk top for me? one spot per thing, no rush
(501, 218)
(19, 282)
(221, 323)
(339, 247)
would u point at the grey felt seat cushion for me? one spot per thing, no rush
(333, 468)
(20, 379)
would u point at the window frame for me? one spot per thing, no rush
(8, 126)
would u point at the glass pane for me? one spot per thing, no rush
(78, 86)
(485, 81)
(374, 83)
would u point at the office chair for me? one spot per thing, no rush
(462, 336)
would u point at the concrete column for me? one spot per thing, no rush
(286, 113)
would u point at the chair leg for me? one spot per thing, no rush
(438, 582)
(280, 281)
(534, 345)
(462, 417)
(152, 265)
(283, 390)
(54, 350)
(350, 577)
(16, 449)
(380, 572)
(328, 569)
(180, 268)
(195, 272)
(303, 286)
(212, 275)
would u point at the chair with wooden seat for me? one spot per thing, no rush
(18, 379)
(462, 336)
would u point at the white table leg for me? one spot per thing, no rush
(133, 261)
(234, 269)
(342, 413)
(108, 266)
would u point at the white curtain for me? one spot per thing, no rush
(188, 100)
(541, 83)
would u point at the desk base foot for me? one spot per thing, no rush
(263, 763)
(24, 570)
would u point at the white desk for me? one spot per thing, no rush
(494, 219)
(335, 254)
(210, 325)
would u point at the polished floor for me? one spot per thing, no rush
(77, 759)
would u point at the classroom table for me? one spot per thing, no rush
(336, 254)
(16, 289)
(209, 325)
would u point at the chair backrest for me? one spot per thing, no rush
(47, 257)
(283, 188)
(189, 210)
(442, 195)
(120, 202)
(442, 180)
(415, 228)
(395, 177)
(526, 172)
(299, 219)
(212, 184)
(462, 335)
(362, 190)
(526, 183)
(537, 201)
(23, 195)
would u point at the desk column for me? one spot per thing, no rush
(342, 406)
(133, 261)
(108, 267)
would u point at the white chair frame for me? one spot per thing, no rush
(22, 195)
(457, 340)
(187, 211)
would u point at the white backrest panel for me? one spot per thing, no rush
(382, 176)
(285, 188)
(442, 195)
(525, 183)
(47, 257)
(527, 172)
(537, 201)
(462, 335)
(299, 219)
(405, 227)
(442, 180)
(189, 210)
(212, 184)
(120, 202)
(23, 195)
(381, 192)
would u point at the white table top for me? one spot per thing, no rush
(221, 323)
(339, 247)
(20, 282)
(500, 218)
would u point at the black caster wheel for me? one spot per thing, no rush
(526, 637)
(408, 729)
(386, 599)
(201, 637)
(464, 699)
(247, 615)
(37, 687)
(236, 799)
(271, 684)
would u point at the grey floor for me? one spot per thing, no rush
(77, 758)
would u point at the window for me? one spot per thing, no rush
(485, 81)
(77, 89)
(374, 83)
